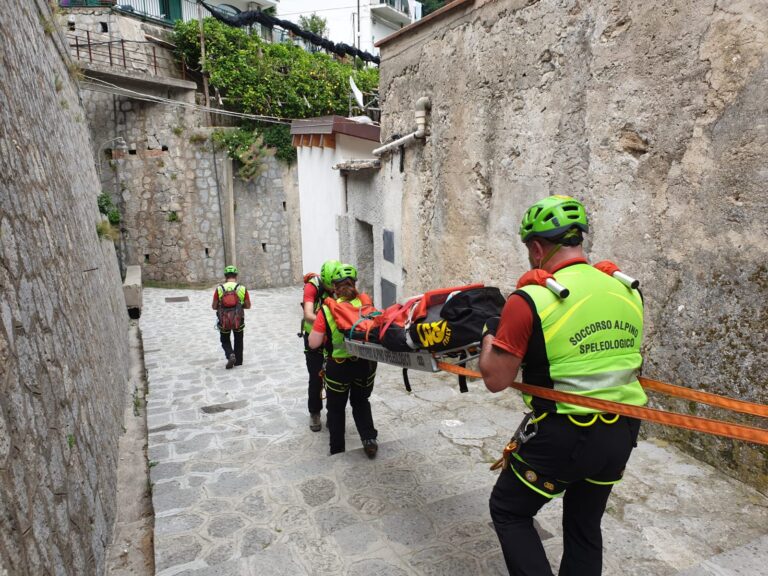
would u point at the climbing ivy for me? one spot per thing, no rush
(283, 80)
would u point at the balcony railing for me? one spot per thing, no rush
(399, 5)
(86, 3)
(128, 55)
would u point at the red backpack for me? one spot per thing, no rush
(350, 318)
(230, 311)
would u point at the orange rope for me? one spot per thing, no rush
(705, 397)
(695, 423)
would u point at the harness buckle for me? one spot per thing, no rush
(520, 437)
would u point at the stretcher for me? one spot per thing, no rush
(421, 360)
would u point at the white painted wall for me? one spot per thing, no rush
(340, 16)
(321, 194)
(321, 197)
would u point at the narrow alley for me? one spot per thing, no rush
(241, 486)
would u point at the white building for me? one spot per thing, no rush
(359, 23)
(321, 144)
(168, 11)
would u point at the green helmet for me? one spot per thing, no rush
(552, 217)
(326, 273)
(344, 272)
(230, 271)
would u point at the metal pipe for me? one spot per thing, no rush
(628, 281)
(557, 288)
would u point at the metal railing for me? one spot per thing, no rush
(131, 55)
(165, 11)
(86, 3)
(399, 5)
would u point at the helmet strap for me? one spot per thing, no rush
(549, 255)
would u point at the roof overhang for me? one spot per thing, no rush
(336, 125)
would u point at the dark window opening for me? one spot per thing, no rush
(164, 148)
(389, 246)
(146, 258)
(207, 255)
(284, 208)
(132, 152)
(104, 26)
(71, 26)
(388, 293)
(263, 246)
(108, 153)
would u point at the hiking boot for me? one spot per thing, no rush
(371, 447)
(231, 361)
(314, 422)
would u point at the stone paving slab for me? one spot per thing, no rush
(241, 486)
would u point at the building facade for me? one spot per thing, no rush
(323, 144)
(359, 23)
(169, 11)
(184, 213)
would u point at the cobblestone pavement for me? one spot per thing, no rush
(241, 486)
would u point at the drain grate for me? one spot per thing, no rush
(177, 299)
(226, 406)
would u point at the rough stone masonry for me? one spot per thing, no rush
(654, 114)
(63, 323)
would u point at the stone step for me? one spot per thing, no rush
(746, 560)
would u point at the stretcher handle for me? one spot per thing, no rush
(557, 288)
(628, 281)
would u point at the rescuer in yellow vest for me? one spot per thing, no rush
(346, 376)
(588, 344)
(316, 289)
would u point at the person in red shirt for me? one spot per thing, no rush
(316, 289)
(347, 378)
(563, 450)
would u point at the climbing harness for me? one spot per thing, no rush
(527, 429)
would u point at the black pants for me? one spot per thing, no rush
(353, 378)
(563, 451)
(226, 344)
(314, 359)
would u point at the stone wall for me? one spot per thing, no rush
(655, 115)
(175, 193)
(62, 313)
(170, 193)
(264, 242)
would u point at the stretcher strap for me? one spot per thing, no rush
(695, 423)
(705, 397)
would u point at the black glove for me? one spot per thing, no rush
(491, 325)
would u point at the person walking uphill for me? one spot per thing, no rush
(586, 344)
(229, 301)
(316, 289)
(346, 376)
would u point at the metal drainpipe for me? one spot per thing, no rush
(423, 105)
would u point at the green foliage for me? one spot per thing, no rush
(280, 80)
(114, 216)
(198, 138)
(107, 207)
(278, 136)
(429, 6)
(247, 147)
(315, 24)
(173, 216)
(71, 440)
(104, 201)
